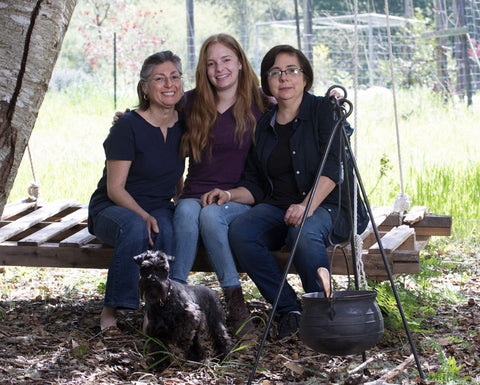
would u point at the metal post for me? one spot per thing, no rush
(466, 60)
(190, 36)
(115, 71)
(308, 29)
(297, 21)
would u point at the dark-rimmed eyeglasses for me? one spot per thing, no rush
(277, 74)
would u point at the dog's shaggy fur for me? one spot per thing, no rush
(178, 314)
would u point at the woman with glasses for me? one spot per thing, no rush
(132, 208)
(280, 171)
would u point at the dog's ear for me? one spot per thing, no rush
(140, 258)
(169, 258)
(161, 254)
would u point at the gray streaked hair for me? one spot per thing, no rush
(147, 68)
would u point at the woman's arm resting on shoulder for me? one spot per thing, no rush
(218, 196)
(294, 214)
(117, 172)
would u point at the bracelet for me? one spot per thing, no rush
(229, 195)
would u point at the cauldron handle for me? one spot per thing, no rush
(324, 276)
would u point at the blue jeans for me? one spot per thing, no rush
(253, 234)
(211, 222)
(127, 233)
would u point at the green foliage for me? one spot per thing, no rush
(413, 57)
(131, 31)
(449, 372)
(385, 167)
(414, 303)
(101, 287)
(216, 368)
(452, 190)
(162, 349)
(418, 293)
(80, 351)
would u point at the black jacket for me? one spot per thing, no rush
(313, 127)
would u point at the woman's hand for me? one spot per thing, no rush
(118, 115)
(217, 196)
(294, 215)
(152, 226)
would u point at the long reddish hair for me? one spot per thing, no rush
(201, 118)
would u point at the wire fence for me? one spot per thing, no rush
(415, 52)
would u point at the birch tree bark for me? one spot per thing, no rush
(31, 36)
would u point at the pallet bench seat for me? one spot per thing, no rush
(54, 234)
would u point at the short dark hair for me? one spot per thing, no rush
(269, 60)
(147, 68)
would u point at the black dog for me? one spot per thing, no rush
(178, 314)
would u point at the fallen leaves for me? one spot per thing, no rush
(49, 334)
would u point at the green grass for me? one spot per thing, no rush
(438, 143)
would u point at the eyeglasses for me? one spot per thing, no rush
(163, 79)
(277, 74)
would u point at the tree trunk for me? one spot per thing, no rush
(30, 40)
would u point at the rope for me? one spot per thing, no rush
(403, 201)
(34, 188)
(357, 240)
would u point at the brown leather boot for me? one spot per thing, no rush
(237, 311)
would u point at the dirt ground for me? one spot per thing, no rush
(49, 334)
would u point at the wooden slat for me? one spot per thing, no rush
(434, 225)
(15, 208)
(434, 220)
(405, 268)
(372, 239)
(380, 214)
(416, 214)
(393, 220)
(393, 239)
(50, 255)
(433, 231)
(29, 220)
(56, 228)
(78, 239)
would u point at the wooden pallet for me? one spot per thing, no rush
(55, 234)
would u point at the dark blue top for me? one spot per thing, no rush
(156, 165)
(312, 126)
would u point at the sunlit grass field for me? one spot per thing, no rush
(439, 149)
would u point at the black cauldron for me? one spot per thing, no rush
(349, 322)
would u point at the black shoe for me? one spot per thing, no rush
(288, 324)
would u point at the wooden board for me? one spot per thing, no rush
(15, 208)
(29, 220)
(48, 232)
(394, 239)
(415, 214)
(78, 239)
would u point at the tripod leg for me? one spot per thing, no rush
(385, 261)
